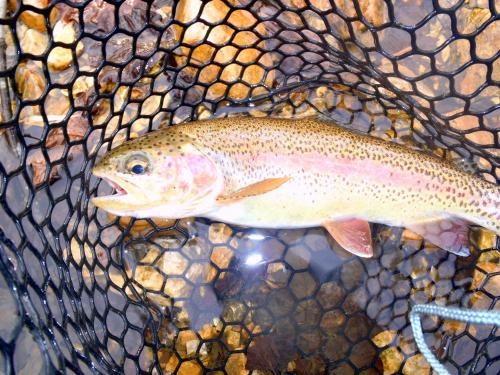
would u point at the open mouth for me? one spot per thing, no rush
(118, 189)
(115, 201)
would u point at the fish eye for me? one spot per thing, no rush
(137, 164)
(138, 169)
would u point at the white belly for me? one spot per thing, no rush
(289, 206)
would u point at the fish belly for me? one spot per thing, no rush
(311, 200)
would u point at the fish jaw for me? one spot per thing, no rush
(159, 211)
(123, 201)
(132, 200)
(113, 203)
(117, 201)
(122, 204)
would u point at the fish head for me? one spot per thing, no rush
(161, 174)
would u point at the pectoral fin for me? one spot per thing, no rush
(252, 190)
(449, 234)
(353, 235)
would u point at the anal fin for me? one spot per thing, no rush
(353, 235)
(448, 234)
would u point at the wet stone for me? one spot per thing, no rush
(416, 363)
(385, 317)
(362, 354)
(398, 323)
(356, 328)
(382, 123)
(271, 249)
(391, 359)
(232, 338)
(11, 312)
(309, 342)
(263, 319)
(372, 267)
(361, 121)
(303, 285)
(28, 364)
(298, 257)
(373, 286)
(168, 239)
(277, 275)
(341, 369)
(335, 347)
(352, 102)
(400, 307)
(355, 301)
(234, 311)
(384, 338)
(352, 274)
(307, 313)
(386, 279)
(291, 236)
(446, 270)
(317, 240)
(280, 302)
(330, 294)
(332, 321)
(222, 256)
(173, 263)
(443, 288)
(325, 264)
(402, 288)
(191, 368)
(196, 248)
(198, 273)
(219, 233)
(391, 259)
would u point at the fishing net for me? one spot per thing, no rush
(83, 292)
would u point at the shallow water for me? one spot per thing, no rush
(192, 294)
(195, 293)
(218, 290)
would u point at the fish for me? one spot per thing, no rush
(284, 173)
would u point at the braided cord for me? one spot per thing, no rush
(464, 315)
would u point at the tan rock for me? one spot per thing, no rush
(384, 338)
(195, 34)
(391, 360)
(33, 41)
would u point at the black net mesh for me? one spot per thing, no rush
(84, 292)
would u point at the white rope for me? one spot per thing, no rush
(464, 315)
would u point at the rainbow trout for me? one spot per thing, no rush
(274, 173)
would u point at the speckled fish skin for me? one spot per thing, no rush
(333, 174)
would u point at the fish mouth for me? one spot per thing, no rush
(119, 190)
(115, 200)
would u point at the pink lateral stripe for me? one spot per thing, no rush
(366, 168)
